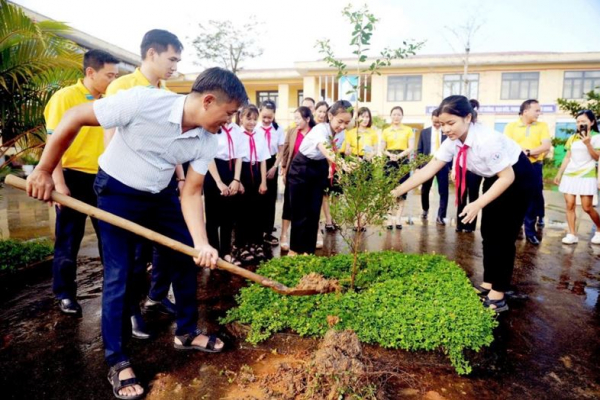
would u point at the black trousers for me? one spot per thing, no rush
(500, 224)
(286, 213)
(249, 226)
(70, 228)
(392, 166)
(270, 199)
(307, 180)
(442, 179)
(220, 209)
(472, 193)
(536, 206)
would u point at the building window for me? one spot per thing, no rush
(499, 126)
(265, 95)
(520, 85)
(300, 97)
(578, 83)
(404, 88)
(453, 84)
(564, 130)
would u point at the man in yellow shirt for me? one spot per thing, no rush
(75, 174)
(534, 138)
(161, 52)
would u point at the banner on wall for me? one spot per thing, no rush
(503, 109)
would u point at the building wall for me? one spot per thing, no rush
(314, 78)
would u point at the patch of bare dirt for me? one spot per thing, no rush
(336, 370)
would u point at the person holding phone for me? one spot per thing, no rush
(578, 174)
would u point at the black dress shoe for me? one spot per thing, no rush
(541, 223)
(139, 330)
(533, 240)
(69, 307)
(165, 306)
(440, 221)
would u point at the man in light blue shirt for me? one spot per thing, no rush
(158, 131)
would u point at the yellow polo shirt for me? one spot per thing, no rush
(136, 78)
(397, 138)
(358, 142)
(528, 137)
(82, 155)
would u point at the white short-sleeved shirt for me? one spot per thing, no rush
(581, 164)
(489, 151)
(150, 143)
(321, 133)
(262, 149)
(277, 137)
(225, 150)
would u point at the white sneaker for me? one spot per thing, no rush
(572, 239)
(596, 238)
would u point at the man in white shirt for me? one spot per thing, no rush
(157, 131)
(430, 140)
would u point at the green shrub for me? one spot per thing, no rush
(401, 301)
(16, 253)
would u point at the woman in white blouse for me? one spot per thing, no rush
(506, 192)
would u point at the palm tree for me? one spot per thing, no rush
(35, 61)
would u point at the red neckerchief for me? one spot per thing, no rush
(461, 173)
(229, 144)
(268, 136)
(252, 151)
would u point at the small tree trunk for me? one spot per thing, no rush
(355, 250)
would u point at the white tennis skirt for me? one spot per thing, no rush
(580, 186)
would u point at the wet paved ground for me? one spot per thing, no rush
(547, 345)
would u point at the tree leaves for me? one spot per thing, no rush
(34, 62)
(227, 45)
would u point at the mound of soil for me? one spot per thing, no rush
(336, 367)
(314, 281)
(339, 354)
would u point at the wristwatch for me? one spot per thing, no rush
(528, 153)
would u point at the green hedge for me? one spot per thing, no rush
(15, 253)
(402, 301)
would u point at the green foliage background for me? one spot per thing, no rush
(401, 301)
(16, 253)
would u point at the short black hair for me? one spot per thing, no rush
(340, 106)
(309, 99)
(97, 58)
(397, 108)
(435, 113)
(222, 81)
(526, 104)
(246, 111)
(159, 40)
(591, 117)
(320, 104)
(459, 106)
